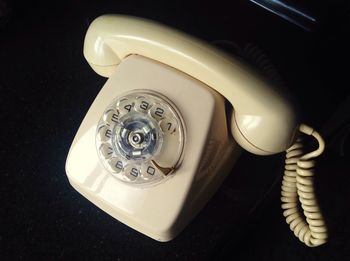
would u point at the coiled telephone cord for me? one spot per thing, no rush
(298, 186)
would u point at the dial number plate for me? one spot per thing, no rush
(140, 138)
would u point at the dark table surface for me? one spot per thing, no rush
(46, 87)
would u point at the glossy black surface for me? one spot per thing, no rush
(46, 88)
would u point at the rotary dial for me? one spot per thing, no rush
(140, 138)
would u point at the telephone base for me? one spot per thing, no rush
(161, 210)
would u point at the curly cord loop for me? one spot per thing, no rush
(298, 188)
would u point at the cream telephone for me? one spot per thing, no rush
(158, 141)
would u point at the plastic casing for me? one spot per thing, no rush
(263, 121)
(160, 211)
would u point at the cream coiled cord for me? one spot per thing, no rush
(298, 186)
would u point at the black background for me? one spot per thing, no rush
(46, 87)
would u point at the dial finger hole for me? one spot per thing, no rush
(106, 151)
(131, 172)
(104, 133)
(116, 165)
(125, 106)
(169, 126)
(143, 105)
(111, 116)
(149, 171)
(158, 111)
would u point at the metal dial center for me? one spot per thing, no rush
(136, 138)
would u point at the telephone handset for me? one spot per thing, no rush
(157, 141)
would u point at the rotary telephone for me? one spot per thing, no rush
(158, 140)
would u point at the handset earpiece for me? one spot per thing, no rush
(263, 121)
